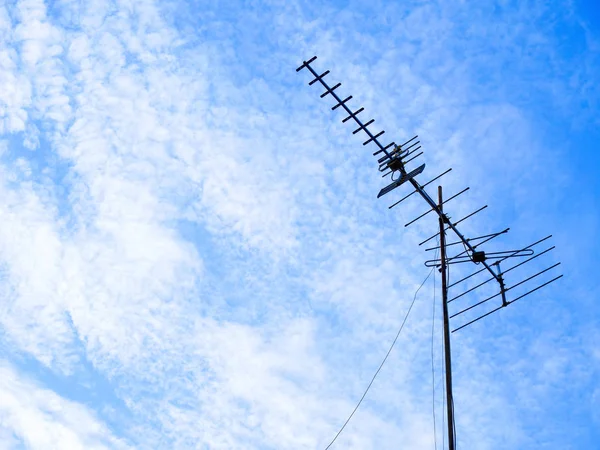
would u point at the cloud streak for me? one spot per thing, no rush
(187, 230)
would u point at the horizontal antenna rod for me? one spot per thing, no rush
(505, 290)
(414, 157)
(493, 235)
(470, 258)
(452, 226)
(497, 262)
(399, 149)
(331, 90)
(508, 303)
(401, 146)
(489, 238)
(413, 192)
(533, 290)
(503, 273)
(445, 201)
(463, 239)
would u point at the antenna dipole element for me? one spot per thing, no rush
(447, 357)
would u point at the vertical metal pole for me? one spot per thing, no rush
(449, 401)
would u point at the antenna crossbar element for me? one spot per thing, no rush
(403, 179)
(501, 260)
(397, 151)
(373, 138)
(351, 115)
(504, 272)
(364, 126)
(333, 108)
(452, 226)
(492, 236)
(506, 290)
(399, 146)
(508, 303)
(414, 192)
(427, 212)
(414, 157)
(488, 238)
(478, 257)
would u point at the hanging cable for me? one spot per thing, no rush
(382, 362)
(452, 397)
(444, 395)
(433, 360)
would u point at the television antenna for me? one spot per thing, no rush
(393, 160)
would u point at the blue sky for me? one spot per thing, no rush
(192, 253)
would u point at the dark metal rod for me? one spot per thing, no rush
(342, 102)
(445, 201)
(411, 139)
(305, 64)
(413, 192)
(353, 115)
(529, 246)
(493, 235)
(475, 305)
(364, 127)
(490, 255)
(465, 218)
(447, 355)
(318, 78)
(472, 289)
(508, 303)
(411, 146)
(479, 318)
(373, 138)
(330, 91)
(533, 276)
(506, 290)
(391, 144)
(383, 163)
(414, 157)
(527, 260)
(489, 238)
(469, 258)
(467, 277)
(463, 239)
(481, 270)
(533, 290)
(344, 106)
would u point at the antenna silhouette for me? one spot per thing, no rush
(392, 161)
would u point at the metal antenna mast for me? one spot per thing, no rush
(447, 354)
(393, 161)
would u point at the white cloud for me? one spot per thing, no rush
(37, 418)
(264, 331)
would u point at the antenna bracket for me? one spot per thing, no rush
(395, 164)
(478, 257)
(403, 179)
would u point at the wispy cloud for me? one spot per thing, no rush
(34, 417)
(189, 232)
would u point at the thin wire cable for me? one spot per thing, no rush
(444, 396)
(433, 361)
(382, 362)
(452, 396)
